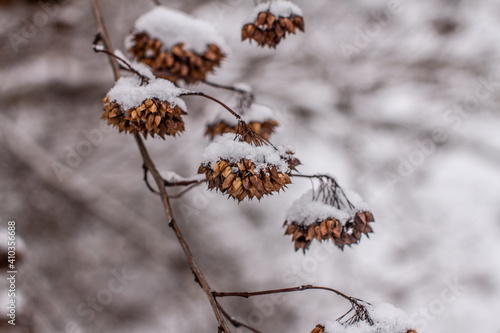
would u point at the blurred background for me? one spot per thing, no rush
(397, 99)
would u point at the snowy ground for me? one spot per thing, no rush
(400, 107)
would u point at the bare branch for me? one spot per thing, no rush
(105, 36)
(237, 116)
(235, 322)
(360, 311)
(149, 164)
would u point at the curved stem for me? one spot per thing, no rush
(184, 183)
(144, 79)
(360, 311)
(145, 178)
(331, 179)
(199, 276)
(283, 290)
(149, 164)
(237, 116)
(235, 322)
(105, 36)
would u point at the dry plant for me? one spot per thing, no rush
(169, 49)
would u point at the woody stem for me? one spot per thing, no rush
(237, 116)
(149, 164)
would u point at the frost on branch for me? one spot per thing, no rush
(175, 45)
(271, 21)
(137, 107)
(241, 170)
(383, 318)
(328, 213)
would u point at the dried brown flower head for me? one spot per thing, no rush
(228, 170)
(327, 214)
(175, 45)
(263, 129)
(259, 122)
(318, 329)
(273, 22)
(153, 108)
(176, 63)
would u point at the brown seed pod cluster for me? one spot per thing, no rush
(151, 117)
(318, 329)
(330, 228)
(263, 129)
(327, 213)
(269, 29)
(177, 63)
(242, 179)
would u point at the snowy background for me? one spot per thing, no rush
(400, 107)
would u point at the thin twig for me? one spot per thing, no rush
(237, 116)
(149, 164)
(185, 182)
(128, 67)
(235, 322)
(360, 311)
(200, 278)
(145, 169)
(232, 88)
(245, 294)
(334, 184)
(104, 33)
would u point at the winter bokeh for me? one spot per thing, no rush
(397, 99)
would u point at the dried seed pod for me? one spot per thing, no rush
(227, 169)
(327, 213)
(318, 329)
(263, 129)
(176, 46)
(259, 119)
(272, 21)
(153, 108)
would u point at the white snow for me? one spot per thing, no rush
(172, 27)
(306, 211)
(173, 177)
(140, 67)
(356, 200)
(256, 113)
(243, 86)
(229, 147)
(279, 8)
(386, 318)
(129, 93)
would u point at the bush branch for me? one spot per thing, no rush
(149, 164)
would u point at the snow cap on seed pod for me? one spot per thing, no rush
(371, 318)
(240, 169)
(175, 45)
(328, 213)
(271, 21)
(145, 105)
